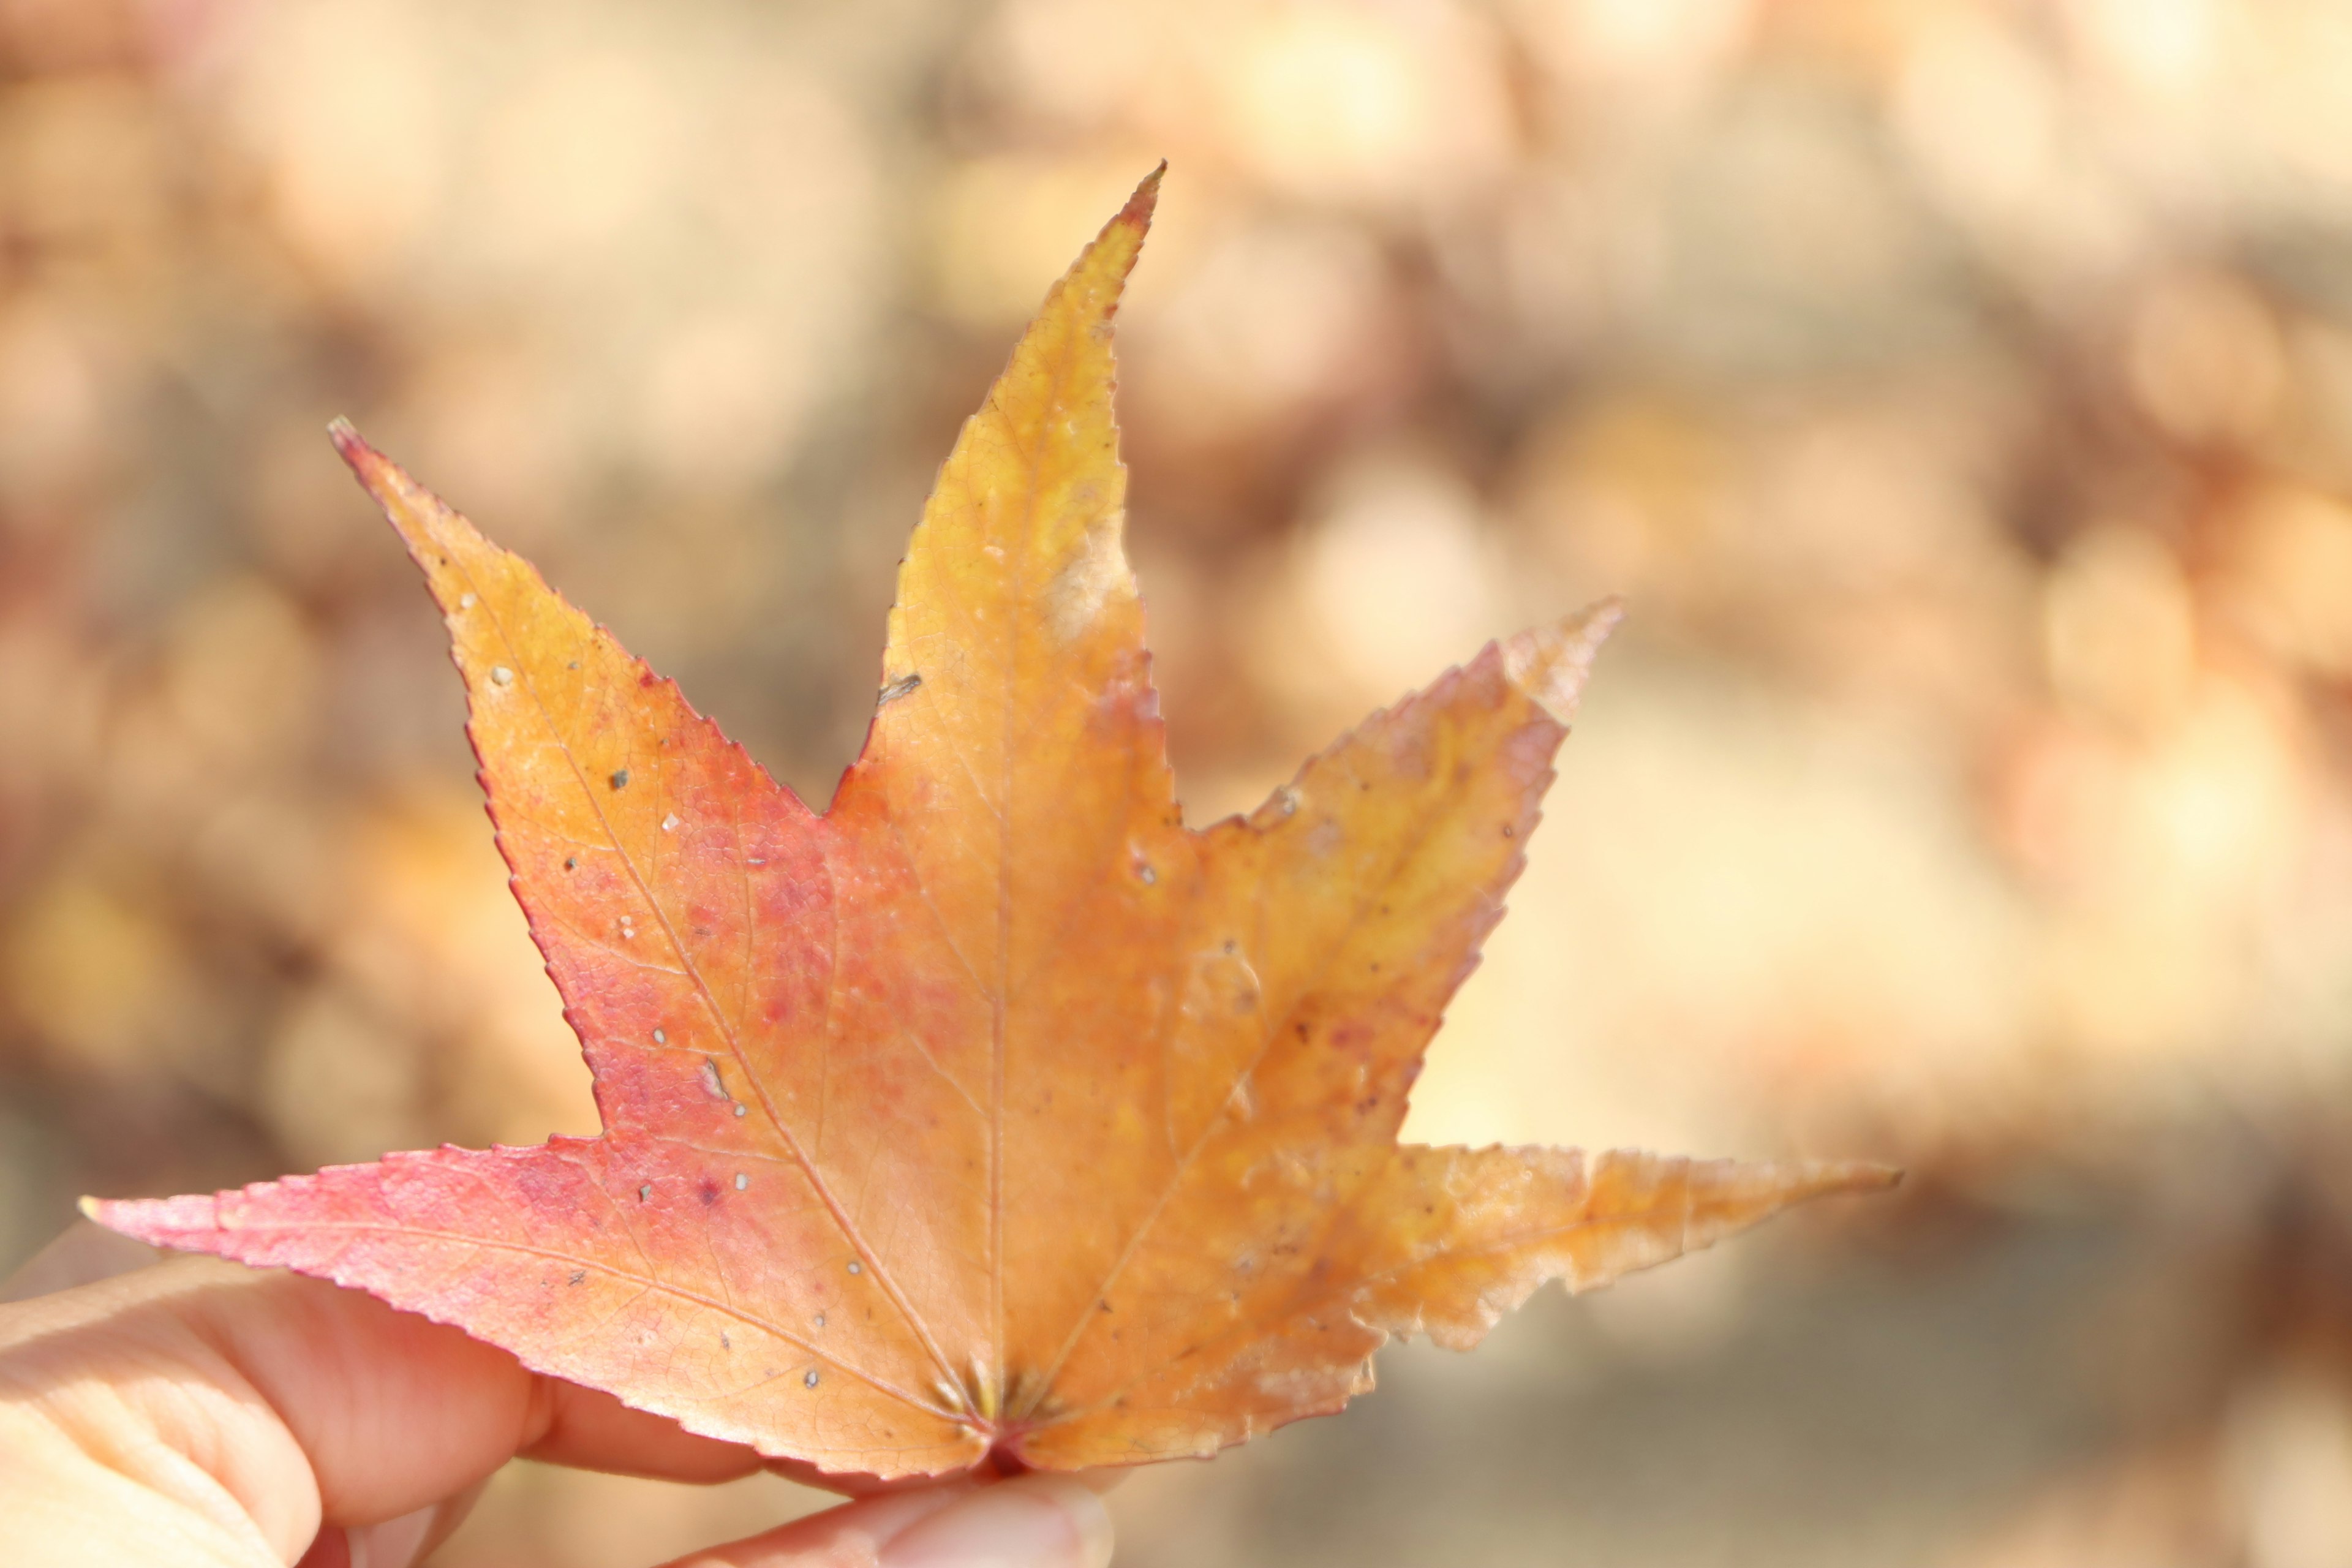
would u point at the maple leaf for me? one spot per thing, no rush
(991, 1112)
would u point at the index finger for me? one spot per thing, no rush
(308, 1403)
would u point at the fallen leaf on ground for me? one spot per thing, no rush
(991, 1114)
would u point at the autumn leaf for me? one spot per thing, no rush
(992, 1113)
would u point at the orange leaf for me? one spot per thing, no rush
(993, 1111)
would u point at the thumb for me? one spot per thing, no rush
(1032, 1521)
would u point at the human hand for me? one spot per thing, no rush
(199, 1414)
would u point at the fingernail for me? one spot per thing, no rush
(1035, 1521)
(394, 1544)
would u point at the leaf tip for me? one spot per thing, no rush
(374, 471)
(1552, 663)
(1136, 213)
(191, 1220)
(361, 458)
(414, 513)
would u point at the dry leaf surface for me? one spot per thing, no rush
(992, 1113)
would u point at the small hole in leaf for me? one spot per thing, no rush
(856, 1266)
(645, 1194)
(809, 1381)
(621, 778)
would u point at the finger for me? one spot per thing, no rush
(1101, 1479)
(367, 1390)
(1034, 1521)
(584, 1427)
(83, 1255)
(589, 1430)
(306, 1403)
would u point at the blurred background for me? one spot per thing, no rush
(1960, 390)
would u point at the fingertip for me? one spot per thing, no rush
(1037, 1521)
(1102, 1480)
(83, 1254)
(593, 1429)
(859, 1531)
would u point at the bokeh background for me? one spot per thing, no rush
(1960, 391)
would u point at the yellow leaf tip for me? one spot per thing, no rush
(1552, 663)
(1136, 213)
(88, 1207)
(370, 466)
(382, 478)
